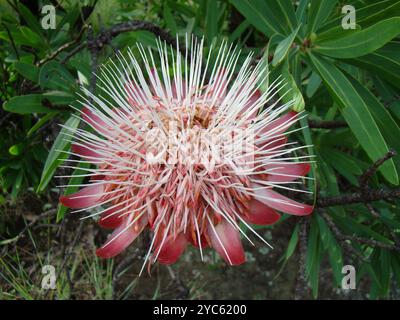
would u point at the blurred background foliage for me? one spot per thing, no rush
(348, 80)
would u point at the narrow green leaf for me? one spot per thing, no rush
(290, 93)
(367, 15)
(318, 12)
(30, 19)
(211, 20)
(356, 114)
(283, 47)
(313, 84)
(56, 155)
(385, 62)
(388, 127)
(75, 180)
(332, 248)
(292, 242)
(269, 17)
(41, 122)
(169, 19)
(312, 246)
(361, 42)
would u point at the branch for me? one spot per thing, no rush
(358, 197)
(341, 237)
(373, 168)
(105, 36)
(62, 48)
(365, 195)
(370, 242)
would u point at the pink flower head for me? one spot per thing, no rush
(187, 149)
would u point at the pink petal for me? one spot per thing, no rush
(86, 197)
(287, 172)
(84, 151)
(112, 217)
(175, 90)
(261, 214)
(273, 126)
(135, 94)
(154, 76)
(172, 249)
(220, 84)
(121, 238)
(250, 104)
(226, 234)
(273, 144)
(94, 121)
(274, 200)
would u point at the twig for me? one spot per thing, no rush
(29, 225)
(73, 52)
(366, 194)
(369, 242)
(363, 181)
(62, 48)
(105, 36)
(358, 197)
(340, 236)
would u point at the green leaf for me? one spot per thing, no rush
(41, 122)
(269, 17)
(313, 84)
(351, 226)
(356, 114)
(292, 242)
(367, 15)
(242, 27)
(312, 246)
(388, 127)
(283, 47)
(318, 12)
(332, 248)
(384, 62)
(30, 103)
(53, 75)
(60, 98)
(27, 70)
(290, 93)
(344, 164)
(169, 19)
(75, 180)
(361, 42)
(38, 103)
(56, 155)
(16, 149)
(32, 38)
(30, 19)
(16, 188)
(255, 13)
(211, 20)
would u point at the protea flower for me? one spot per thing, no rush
(187, 148)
